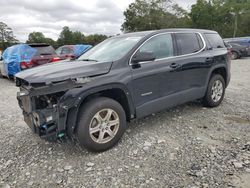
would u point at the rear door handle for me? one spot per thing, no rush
(175, 65)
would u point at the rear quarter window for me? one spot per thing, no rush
(215, 40)
(188, 43)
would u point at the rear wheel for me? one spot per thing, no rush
(234, 55)
(101, 124)
(215, 91)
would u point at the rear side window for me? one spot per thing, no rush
(161, 46)
(215, 40)
(44, 50)
(188, 43)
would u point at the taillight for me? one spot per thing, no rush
(55, 59)
(26, 65)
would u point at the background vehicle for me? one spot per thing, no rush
(44, 54)
(72, 51)
(2, 72)
(239, 51)
(125, 77)
(23, 56)
(243, 41)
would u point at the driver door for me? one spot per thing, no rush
(153, 80)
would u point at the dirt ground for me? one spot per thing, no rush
(187, 146)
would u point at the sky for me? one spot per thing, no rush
(49, 16)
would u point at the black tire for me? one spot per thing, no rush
(87, 113)
(208, 99)
(235, 55)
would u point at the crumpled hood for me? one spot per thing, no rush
(59, 71)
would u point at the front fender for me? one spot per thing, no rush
(70, 104)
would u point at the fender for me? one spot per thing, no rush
(71, 102)
(214, 68)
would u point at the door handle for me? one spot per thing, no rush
(209, 59)
(175, 65)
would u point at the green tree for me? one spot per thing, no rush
(78, 37)
(68, 37)
(153, 14)
(65, 37)
(38, 37)
(228, 17)
(95, 39)
(7, 37)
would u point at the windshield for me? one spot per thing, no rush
(111, 49)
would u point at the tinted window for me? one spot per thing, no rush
(215, 40)
(44, 50)
(161, 46)
(188, 43)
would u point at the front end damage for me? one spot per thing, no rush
(45, 108)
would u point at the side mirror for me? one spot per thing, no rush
(143, 56)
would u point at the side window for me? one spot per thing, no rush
(66, 50)
(59, 51)
(161, 46)
(215, 40)
(188, 43)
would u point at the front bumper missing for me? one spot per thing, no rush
(43, 122)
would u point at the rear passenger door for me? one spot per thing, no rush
(195, 63)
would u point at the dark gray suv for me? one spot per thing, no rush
(125, 77)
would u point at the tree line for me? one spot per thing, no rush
(231, 18)
(66, 37)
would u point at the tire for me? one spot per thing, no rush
(214, 95)
(234, 55)
(90, 117)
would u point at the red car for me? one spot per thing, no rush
(45, 54)
(72, 51)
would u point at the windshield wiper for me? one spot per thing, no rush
(89, 60)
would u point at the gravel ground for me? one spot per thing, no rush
(187, 146)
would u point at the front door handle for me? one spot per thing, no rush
(175, 65)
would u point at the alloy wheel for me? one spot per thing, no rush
(217, 91)
(104, 126)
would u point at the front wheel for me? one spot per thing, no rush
(215, 91)
(101, 124)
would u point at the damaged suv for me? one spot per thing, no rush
(125, 77)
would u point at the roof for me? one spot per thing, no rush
(145, 33)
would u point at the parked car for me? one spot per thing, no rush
(243, 41)
(2, 71)
(72, 51)
(239, 51)
(24, 56)
(125, 77)
(45, 54)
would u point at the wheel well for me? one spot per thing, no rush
(222, 71)
(115, 94)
